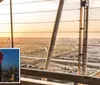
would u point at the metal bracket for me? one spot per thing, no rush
(87, 3)
(80, 54)
(83, 3)
(82, 28)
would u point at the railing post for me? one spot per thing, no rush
(11, 23)
(84, 59)
(54, 34)
(80, 54)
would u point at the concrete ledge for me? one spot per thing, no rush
(39, 82)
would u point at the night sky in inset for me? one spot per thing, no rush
(11, 58)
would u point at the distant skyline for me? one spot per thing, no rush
(11, 58)
(46, 17)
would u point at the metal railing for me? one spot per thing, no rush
(62, 76)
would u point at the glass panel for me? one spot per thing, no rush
(94, 38)
(5, 41)
(33, 30)
(65, 52)
(33, 22)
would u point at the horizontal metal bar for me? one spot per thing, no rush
(31, 81)
(61, 76)
(22, 83)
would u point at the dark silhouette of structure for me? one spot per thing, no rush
(1, 57)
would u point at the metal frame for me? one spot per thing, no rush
(54, 34)
(61, 76)
(80, 53)
(11, 23)
(83, 36)
(85, 40)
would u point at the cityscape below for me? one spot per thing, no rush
(10, 75)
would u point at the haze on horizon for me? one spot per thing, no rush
(45, 29)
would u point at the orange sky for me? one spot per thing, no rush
(46, 17)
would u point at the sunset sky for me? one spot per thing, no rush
(23, 21)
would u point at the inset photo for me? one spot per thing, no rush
(9, 65)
